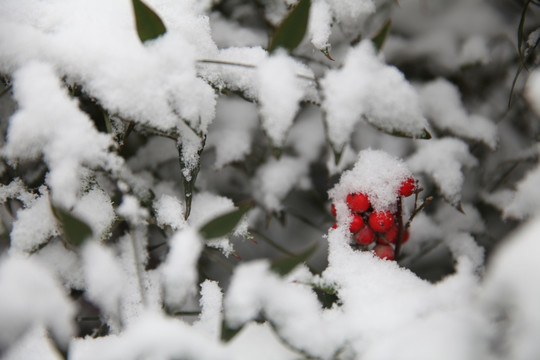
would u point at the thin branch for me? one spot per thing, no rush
(248, 66)
(272, 243)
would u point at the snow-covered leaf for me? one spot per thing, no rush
(365, 88)
(224, 224)
(443, 160)
(75, 229)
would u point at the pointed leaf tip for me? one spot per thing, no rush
(379, 38)
(224, 224)
(291, 31)
(149, 24)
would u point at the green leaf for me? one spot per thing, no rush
(379, 38)
(292, 29)
(227, 333)
(149, 25)
(76, 231)
(224, 224)
(285, 266)
(425, 135)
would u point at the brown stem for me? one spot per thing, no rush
(400, 228)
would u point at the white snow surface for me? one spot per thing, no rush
(231, 133)
(532, 90)
(104, 277)
(526, 199)
(375, 174)
(96, 209)
(441, 103)
(54, 126)
(279, 93)
(508, 291)
(34, 225)
(211, 303)
(151, 335)
(179, 271)
(35, 298)
(366, 88)
(169, 211)
(443, 160)
(276, 178)
(319, 24)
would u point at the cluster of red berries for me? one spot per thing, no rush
(376, 227)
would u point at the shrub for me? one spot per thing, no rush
(314, 179)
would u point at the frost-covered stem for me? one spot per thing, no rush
(272, 243)
(138, 267)
(400, 227)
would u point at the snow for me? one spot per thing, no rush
(232, 132)
(451, 220)
(96, 209)
(349, 12)
(69, 271)
(211, 303)
(169, 212)
(443, 160)
(104, 277)
(441, 103)
(178, 272)
(34, 225)
(35, 297)
(532, 90)
(292, 308)
(154, 153)
(366, 88)
(276, 178)
(131, 210)
(475, 50)
(35, 344)
(191, 84)
(319, 24)
(507, 292)
(55, 127)
(152, 335)
(375, 174)
(280, 92)
(258, 341)
(207, 206)
(526, 199)
(463, 245)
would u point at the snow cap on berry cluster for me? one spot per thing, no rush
(375, 174)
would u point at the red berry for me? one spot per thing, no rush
(407, 187)
(333, 210)
(384, 251)
(390, 236)
(381, 221)
(356, 223)
(358, 202)
(365, 236)
(405, 237)
(334, 226)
